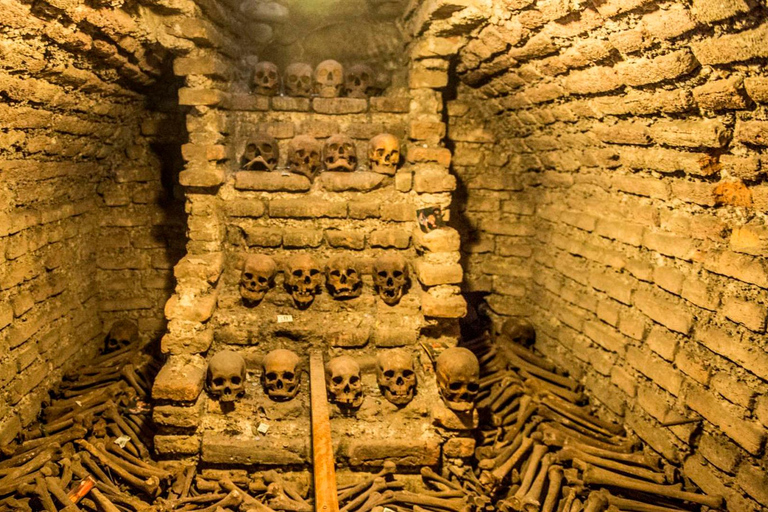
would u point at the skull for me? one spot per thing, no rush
(339, 154)
(329, 79)
(298, 80)
(226, 376)
(303, 280)
(458, 377)
(261, 154)
(257, 277)
(343, 278)
(121, 334)
(304, 156)
(520, 331)
(384, 153)
(266, 79)
(280, 374)
(396, 376)
(357, 80)
(345, 386)
(390, 275)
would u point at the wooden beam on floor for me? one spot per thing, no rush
(326, 499)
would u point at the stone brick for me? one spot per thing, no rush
(390, 238)
(748, 313)
(663, 310)
(176, 444)
(659, 371)
(728, 48)
(432, 274)
(739, 266)
(390, 104)
(710, 11)
(734, 347)
(438, 240)
(299, 238)
(338, 106)
(192, 308)
(290, 104)
(245, 208)
(710, 133)
(358, 181)
(398, 212)
(420, 155)
(178, 417)
(204, 178)
(645, 71)
(247, 102)
(422, 129)
(201, 97)
(662, 342)
(436, 304)
(364, 209)
(757, 88)
(345, 239)
(459, 447)
(306, 208)
(405, 452)
(181, 379)
(727, 94)
(733, 389)
(598, 79)
(754, 480)
(752, 132)
(207, 65)
(432, 181)
(271, 182)
(420, 78)
(263, 237)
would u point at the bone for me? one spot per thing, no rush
(150, 486)
(250, 503)
(28, 467)
(635, 506)
(378, 485)
(579, 458)
(530, 473)
(494, 478)
(112, 414)
(288, 489)
(531, 499)
(555, 477)
(596, 502)
(598, 476)
(55, 488)
(388, 468)
(541, 373)
(233, 499)
(45, 497)
(103, 502)
(428, 474)
(278, 499)
(147, 468)
(409, 498)
(579, 413)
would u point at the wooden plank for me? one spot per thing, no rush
(326, 499)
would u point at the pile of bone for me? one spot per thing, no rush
(91, 448)
(541, 449)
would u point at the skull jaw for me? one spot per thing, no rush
(459, 405)
(398, 397)
(341, 165)
(348, 400)
(258, 164)
(252, 296)
(328, 91)
(357, 92)
(388, 169)
(228, 396)
(262, 90)
(302, 299)
(391, 295)
(345, 292)
(283, 395)
(310, 174)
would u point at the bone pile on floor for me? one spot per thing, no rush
(93, 439)
(540, 448)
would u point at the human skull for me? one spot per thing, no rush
(339, 154)
(358, 80)
(122, 333)
(304, 156)
(342, 277)
(226, 376)
(266, 79)
(257, 277)
(298, 80)
(303, 280)
(458, 377)
(390, 275)
(396, 376)
(520, 331)
(261, 153)
(329, 79)
(384, 153)
(280, 374)
(345, 386)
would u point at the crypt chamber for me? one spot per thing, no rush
(383, 255)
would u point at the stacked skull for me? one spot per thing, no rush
(266, 79)
(396, 376)
(339, 154)
(384, 153)
(304, 156)
(358, 81)
(262, 153)
(257, 277)
(298, 80)
(344, 382)
(343, 278)
(122, 333)
(226, 376)
(329, 79)
(390, 275)
(280, 374)
(458, 377)
(303, 280)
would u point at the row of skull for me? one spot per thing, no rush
(457, 371)
(328, 80)
(307, 156)
(304, 277)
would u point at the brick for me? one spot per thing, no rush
(669, 244)
(433, 274)
(693, 134)
(390, 238)
(289, 104)
(356, 181)
(364, 209)
(754, 480)
(738, 47)
(605, 336)
(421, 78)
(306, 208)
(757, 88)
(204, 178)
(732, 389)
(403, 181)
(598, 79)
(662, 342)
(298, 238)
(271, 182)
(432, 181)
(192, 308)
(263, 237)
(252, 208)
(734, 347)
(727, 94)
(606, 393)
(739, 266)
(337, 106)
(420, 155)
(709, 11)
(668, 23)
(247, 102)
(641, 186)
(624, 381)
(390, 104)
(426, 130)
(657, 438)
(752, 132)
(645, 71)
(176, 444)
(729, 418)
(437, 304)
(748, 313)
(669, 279)
(459, 447)
(398, 212)
(613, 284)
(720, 451)
(179, 417)
(345, 239)
(659, 307)
(206, 65)
(656, 369)
(201, 97)
(438, 240)
(180, 379)
(405, 452)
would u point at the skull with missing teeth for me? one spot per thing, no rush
(390, 275)
(122, 333)
(257, 277)
(280, 374)
(226, 376)
(261, 153)
(298, 80)
(303, 280)
(339, 154)
(396, 376)
(304, 156)
(329, 79)
(358, 80)
(519, 331)
(342, 277)
(266, 79)
(458, 377)
(344, 383)
(384, 153)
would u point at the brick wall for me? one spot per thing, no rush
(90, 138)
(613, 163)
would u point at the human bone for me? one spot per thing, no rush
(122, 333)
(261, 153)
(257, 277)
(342, 277)
(303, 279)
(329, 79)
(390, 275)
(280, 374)
(226, 376)
(266, 79)
(396, 375)
(344, 383)
(384, 153)
(304, 156)
(519, 330)
(458, 378)
(358, 80)
(298, 80)
(339, 154)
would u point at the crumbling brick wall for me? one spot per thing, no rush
(89, 228)
(614, 194)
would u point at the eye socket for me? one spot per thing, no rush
(259, 74)
(262, 279)
(407, 373)
(248, 275)
(337, 380)
(313, 271)
(270, 376)
(265, 148)
(335, 273)
(473, 386)
(397, 273)
(297, 273)
(334, 147)
(383, 273)
(288, 375)
(273, 75)
(235, 380)
(218, 381)
(389, 374)
(350, 272)
(354, 379)
(454, 386)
